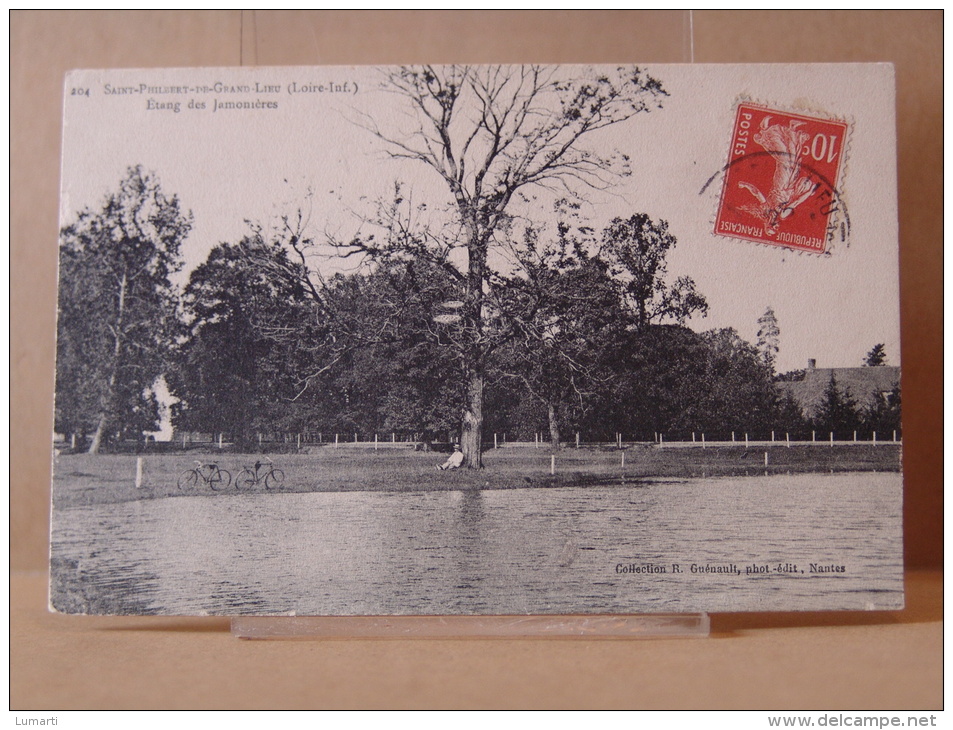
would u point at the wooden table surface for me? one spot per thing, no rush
(769, 661)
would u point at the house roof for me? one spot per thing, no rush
(862, 383)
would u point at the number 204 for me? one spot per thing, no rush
(79, 92)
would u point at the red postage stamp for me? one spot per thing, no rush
(780, 184)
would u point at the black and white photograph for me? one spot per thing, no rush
(478, 340)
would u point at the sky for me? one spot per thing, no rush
(231, 165)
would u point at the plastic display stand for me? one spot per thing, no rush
(670, 36)
(648, 626)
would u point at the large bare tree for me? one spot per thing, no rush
(491, 133)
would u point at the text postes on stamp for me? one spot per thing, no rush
(780, 184)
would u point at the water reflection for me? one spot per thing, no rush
(502, 551)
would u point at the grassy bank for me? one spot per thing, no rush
(82, 479)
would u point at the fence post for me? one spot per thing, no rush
(832, 439)
(138, 472)
(496, 443)
(299, 442)
(552, 464)
(787, 437)
(895, 435)
(765, 458)
(577, 439)
(703, 440)
(875, 437)
(772, 435)
(693, 437)
(813, 436)
(855, 437)
(335, 440)
(623, 459)
(732, 437)
(746, 441)
(375, 442)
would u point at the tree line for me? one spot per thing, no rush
(585, 334)
(458, 321)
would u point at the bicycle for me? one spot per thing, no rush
(209, 474)
(260, 473)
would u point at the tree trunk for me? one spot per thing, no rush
(98, 436)
(108, 398)
(554, 426)
(471, 437)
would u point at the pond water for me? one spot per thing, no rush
(739, 543)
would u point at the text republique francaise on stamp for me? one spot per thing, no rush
(781, 182)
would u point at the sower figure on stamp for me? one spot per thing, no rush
(455, 461)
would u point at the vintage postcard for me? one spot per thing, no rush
(478, 340)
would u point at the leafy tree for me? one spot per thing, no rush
(791, 376)
(769, 337)
(637, 249)
(672, 380)
(838, 411)
(741, 394)
(365, 357)
(238, 366)
(876, 357)
(654, 386)
(577, 308)
(491, 133)
(883, 413)
(562, 307)
(396, 372)
(117, 308)
(790, 417)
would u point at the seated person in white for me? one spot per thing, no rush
(455, 461)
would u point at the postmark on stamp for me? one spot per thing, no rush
(781, 182)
